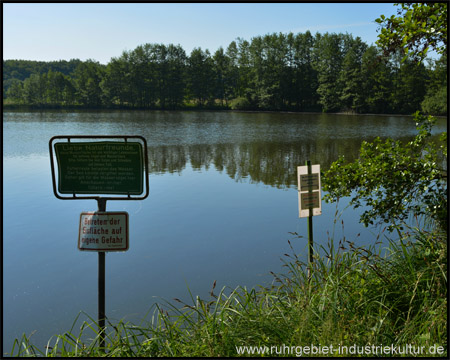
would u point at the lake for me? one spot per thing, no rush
(222, 203)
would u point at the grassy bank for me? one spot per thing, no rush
(357, 296)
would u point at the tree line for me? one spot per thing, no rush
(281, 72)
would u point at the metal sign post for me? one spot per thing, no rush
(310, 225)
(309, 195)
(101, 284)
(117, 168)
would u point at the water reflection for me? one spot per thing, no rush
(270, 163)
(260, 147)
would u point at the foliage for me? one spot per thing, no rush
(240, 103)
(329, 51)
(394, 179)
(14, 70)
(408, 86)
(351, 77)
(436, 102)
(201, 84)
(377, 84)
(282, 72)
(419, 27)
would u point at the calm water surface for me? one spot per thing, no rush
(223, 199)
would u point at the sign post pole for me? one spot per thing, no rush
(309, 193)
(310, 226)
(117, 168)
(101, 284)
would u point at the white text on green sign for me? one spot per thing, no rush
(105, 167)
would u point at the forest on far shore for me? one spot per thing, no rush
(276, 72)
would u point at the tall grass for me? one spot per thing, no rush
(394, 295)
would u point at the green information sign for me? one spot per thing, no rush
(105, 167)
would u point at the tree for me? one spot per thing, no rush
(256, 89)
(246, 87)
(330, 72)
(56, 83)
(87, 78)
(395, 179)
(34, 89)
(328, 61)
(201, 78)
(232, 72)
(419, 27)
(221, 64)
(409, 86)
(114, 84)
(158, 62)
(305, 76)
(69, 91)
(271, 60)
(377, 82)
(142, 75)
(175, 76)
(15, 91)
(351, 76)
(435, 101)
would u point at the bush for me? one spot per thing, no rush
(436, 104)
(240, 103)
(395, 180)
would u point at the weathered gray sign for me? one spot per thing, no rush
(309, 191)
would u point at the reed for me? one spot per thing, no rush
(389, 295)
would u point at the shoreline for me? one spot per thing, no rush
(71, 108)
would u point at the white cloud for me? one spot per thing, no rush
(324, 27)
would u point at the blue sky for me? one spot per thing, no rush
(99, 31)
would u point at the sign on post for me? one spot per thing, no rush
(84, 166)
(100, 168)
(103, 231)
(309, 191)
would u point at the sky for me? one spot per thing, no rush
(100, 31)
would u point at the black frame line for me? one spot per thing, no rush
(95, 197)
